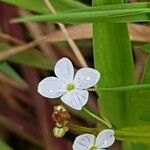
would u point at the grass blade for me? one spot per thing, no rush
(138, 12)
(9, 71)
(113, 58)
(138, 134)
(32, 58)
(4, 146)
(39, 6)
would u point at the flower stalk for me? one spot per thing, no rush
(104, 122)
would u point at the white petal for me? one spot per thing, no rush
(64, 70)
(84, 142)
(76, 98)
(51, 87)
(105, 139)
(86, 77)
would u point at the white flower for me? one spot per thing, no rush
(89, 142)
(72, 88)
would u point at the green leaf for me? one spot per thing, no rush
(39, 6)
(138, 134)
(113, 58)
(142, 99)
(136, 15)
(145, 48)
(4, 146)
(9, 71)
(67, 5)
(141, 128)
(115, 7)
(138, 87)
(31, 58)
(110, 13)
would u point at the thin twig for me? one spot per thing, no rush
(37, 33)
(137, 32)
(12, 51)
(11, 101)
(9, 38)
(70, 41)
(20, 126)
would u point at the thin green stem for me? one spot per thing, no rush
(124, 88)
(81, 129)
(127, 88)
(102, 112)
(131, 134)
(92, 90)
(96, 117)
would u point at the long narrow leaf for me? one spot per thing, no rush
(4, 146)
(115, 7)
(131, 15)
(9, 71)
(132, 12)
(113, 58)
(138, 134)
(39, 6)
(32, 58)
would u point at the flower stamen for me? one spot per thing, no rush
(70, 87)
(93, 148)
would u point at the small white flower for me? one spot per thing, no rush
(72, 88)
(89, 142)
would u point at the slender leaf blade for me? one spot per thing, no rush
(31, 58)
(136, 134)
(39, 6)
(116, 16)
(4, 146)
(9, 71)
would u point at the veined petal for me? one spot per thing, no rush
(86, 77)
(105, 139)
(84, 142)
(64, 70)
(51, 87)
(76, 98)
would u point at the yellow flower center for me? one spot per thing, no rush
(70, 87)
(93, 148)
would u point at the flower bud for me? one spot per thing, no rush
(60, 132)
(60, 116)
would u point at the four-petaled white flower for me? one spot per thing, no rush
(89, 142)
(72, 88)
